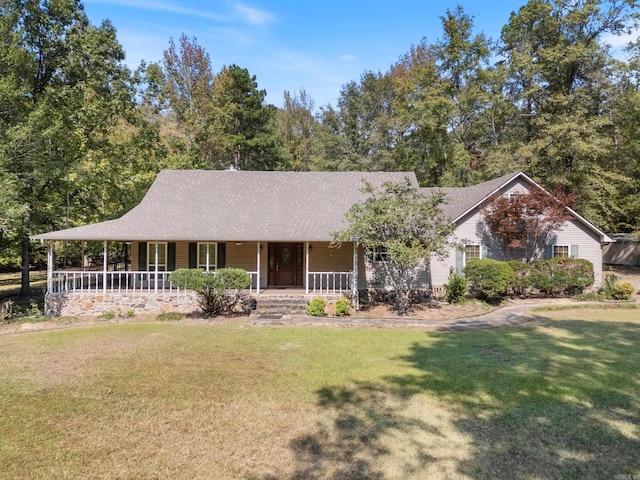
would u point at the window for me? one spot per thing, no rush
(161, 249)
(561, 251)
(472, 251)
(513, 195)
(377, 255)
(207, 255)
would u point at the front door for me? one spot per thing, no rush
(285, 264)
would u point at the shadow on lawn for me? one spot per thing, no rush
(556, 400)
(550, 400)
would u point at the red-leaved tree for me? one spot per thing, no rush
(524, 222)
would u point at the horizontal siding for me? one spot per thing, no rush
(515, 186)
(243, 256)
(589, 248)
(134, 256)
(621, 253)
(324, 258)
(182, 254)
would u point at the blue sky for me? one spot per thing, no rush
(318, 45)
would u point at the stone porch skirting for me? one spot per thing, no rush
(123, 303)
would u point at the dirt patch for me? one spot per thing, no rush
(426, 311)
(625, 274)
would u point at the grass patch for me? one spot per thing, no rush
(108, 315)
(588, 306)
(170, 316)
(555, 398)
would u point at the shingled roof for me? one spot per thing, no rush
(200, 205)
(463, 199)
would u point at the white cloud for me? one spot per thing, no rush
(163, 7)
(620, 41)
(347, 57)
(252, 15)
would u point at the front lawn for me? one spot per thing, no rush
(556, 398)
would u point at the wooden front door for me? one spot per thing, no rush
(285, 264)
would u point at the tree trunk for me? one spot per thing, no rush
(25, 287)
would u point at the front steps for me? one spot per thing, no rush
(282, 305)
(279, 306)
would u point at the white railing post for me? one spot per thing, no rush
(105, 263)
(354, 280)
(258, 270)
(50, 260)
(306, 268)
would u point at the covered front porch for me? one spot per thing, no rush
(142, 281)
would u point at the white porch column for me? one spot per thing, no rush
(105, 263)
(258, 269)
(354, 282)
(306, 267)
(155, 288)
(50, 262)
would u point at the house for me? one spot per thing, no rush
(576, 238)
(275, 225)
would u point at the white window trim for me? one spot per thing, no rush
(211, 256)
(152, 246)
(464, 252)
(553, 249)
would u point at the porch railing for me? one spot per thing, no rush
(326, 283)
(91, 281)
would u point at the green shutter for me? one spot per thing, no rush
(573, 249)
(548, 251)
(193, 255)
(142, 256)
(171, 256)
(222, 255)
(459, 261)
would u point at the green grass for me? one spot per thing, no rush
(10, 282)
(556, 398)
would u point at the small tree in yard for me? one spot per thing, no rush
(219, 293)
(525, 221)
(403, 224)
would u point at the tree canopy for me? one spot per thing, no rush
(400, 229)
(82, 137)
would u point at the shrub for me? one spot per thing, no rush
(33, 310)
(219, 292)
(6, 310)
(456, 288)
(623, 291)
(488, 278)
(522, 276)
(316, 307)
(609, 286)
(343, 307)
(561, 275)
(130, 313)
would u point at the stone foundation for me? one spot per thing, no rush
(123, 304)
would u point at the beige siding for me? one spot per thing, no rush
(134, 255)
(324, 258)
(182, 254)
(243, 256)
(622, 253)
